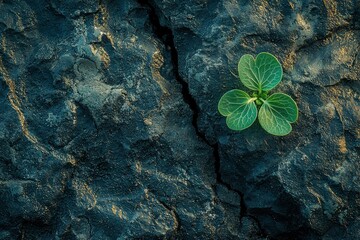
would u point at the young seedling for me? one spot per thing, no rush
(276, 112)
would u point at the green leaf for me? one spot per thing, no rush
(262, 73)
(238, 108)
(276, 114)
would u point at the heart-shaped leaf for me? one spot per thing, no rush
(276, 114)
(238, 108)
(260, 74)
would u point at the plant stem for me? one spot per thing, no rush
(251, 100)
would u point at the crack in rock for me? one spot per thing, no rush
(166, 36)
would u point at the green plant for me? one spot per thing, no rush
(276, 112)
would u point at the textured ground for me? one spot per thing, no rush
(109, 126)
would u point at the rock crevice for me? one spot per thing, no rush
(166, 36)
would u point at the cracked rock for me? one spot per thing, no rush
(109, 126)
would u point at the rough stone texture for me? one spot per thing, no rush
(109, 126)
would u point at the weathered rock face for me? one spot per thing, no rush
(109, 126)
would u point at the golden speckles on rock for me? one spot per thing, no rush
(102, 54)
(263, 8)
(157, 59)
(157, 62)
(146, 191)
(148, 121)
(118, 212)
(86, 197)
(334, 17)
(342, 144)
(329, 110)
(101, 24)
(138, 167)
(289, 60)
(292, 5)
(16, 105)
(72, 160)
(133, 39)
(302, 23)
(342, 55)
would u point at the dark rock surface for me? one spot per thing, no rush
(109, 126)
